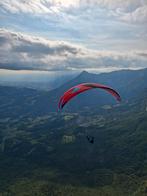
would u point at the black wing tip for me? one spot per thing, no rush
(119, 99)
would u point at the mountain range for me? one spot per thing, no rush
(23, 101)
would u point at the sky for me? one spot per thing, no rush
(56, 36)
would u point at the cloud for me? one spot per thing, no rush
(45, 5)
(143, 54)
(25, 6)
(25, 52)
(130, 11)
(139, 15)
(123, 10)
(97, 24)
(29, 52)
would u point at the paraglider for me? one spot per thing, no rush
(80, 88)
(74, 91)
(90, 139)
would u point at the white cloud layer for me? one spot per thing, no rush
(130, 10)
(25, 52)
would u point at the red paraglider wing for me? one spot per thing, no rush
(72, 92)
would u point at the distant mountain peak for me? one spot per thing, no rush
(84, 72)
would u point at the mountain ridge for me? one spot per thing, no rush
(129, 84)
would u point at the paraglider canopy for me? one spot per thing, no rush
(80, 88)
